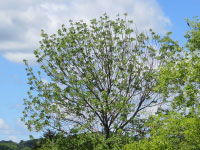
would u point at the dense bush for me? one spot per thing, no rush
(173, 131)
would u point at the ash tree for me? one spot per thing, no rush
(101, 77)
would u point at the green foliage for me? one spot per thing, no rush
(22, 145)
(179, 79)
(8, 145)
(81, 141)
(30, 144)
(73, 142)
(170, 132)
(193, 35)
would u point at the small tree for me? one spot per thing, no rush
(101, 77)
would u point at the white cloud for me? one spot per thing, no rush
(19, 57)
(20, 124)
(23, 20)
(17, 106)
(14, 139)
(5, 129)
(45, 81)
(5, 19)
(16, 132)
(3, 125)
(12, 45)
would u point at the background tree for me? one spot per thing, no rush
(8, 145)
(23, 145)
(179, 79)
(101, 75)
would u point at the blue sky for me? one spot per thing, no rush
(22, 20)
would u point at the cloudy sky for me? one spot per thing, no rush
(22, 20)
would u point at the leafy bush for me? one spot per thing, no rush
(170, 132)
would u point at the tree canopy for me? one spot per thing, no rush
(102, 76)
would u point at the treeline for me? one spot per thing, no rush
(22, 145)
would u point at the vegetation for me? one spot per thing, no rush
(179, 81)
(102, 80)
(171, 131)
(8, 145)
(23, 145)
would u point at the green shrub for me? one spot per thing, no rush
(171, 132)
